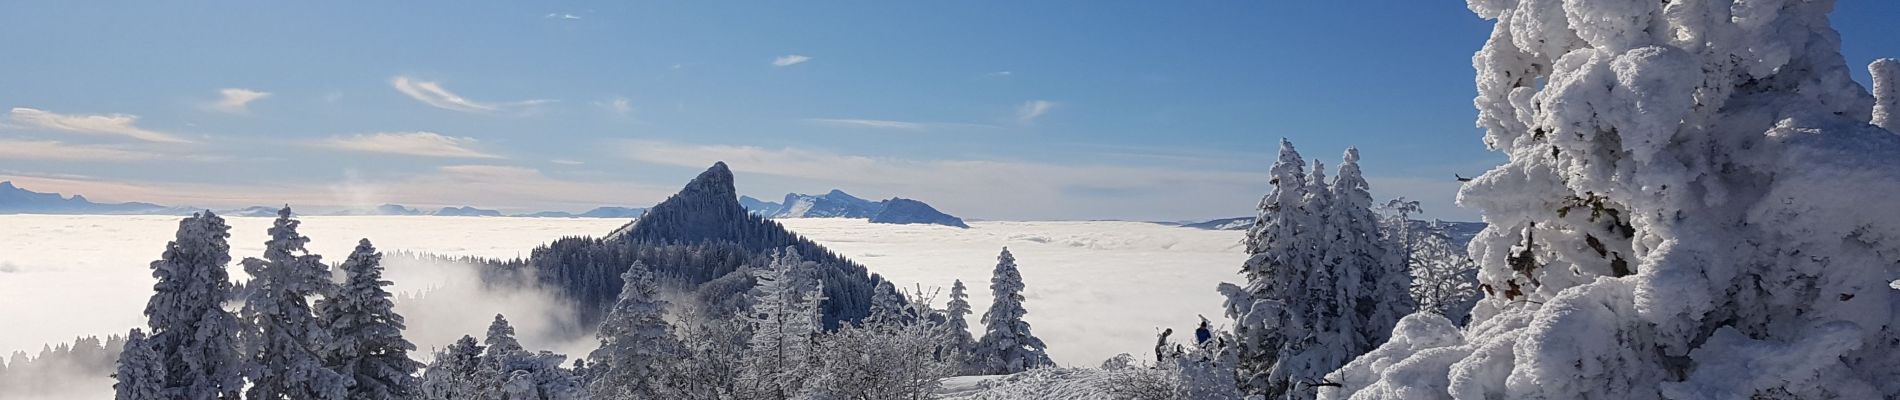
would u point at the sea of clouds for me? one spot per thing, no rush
(1095, 289)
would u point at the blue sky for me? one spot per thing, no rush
(987, 109)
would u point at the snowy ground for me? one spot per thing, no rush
(1094, 288)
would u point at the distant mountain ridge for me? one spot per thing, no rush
(838, 204)
(16, 200)
(835, 204)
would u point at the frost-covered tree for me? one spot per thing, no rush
(194, 336)
(886, 302)
(458, 373)
(141, 374)
(365, 332)
(636, 343)
(1325, 283)
(785, 320)
(1268, 312)
(1444, 280)
(284, 337)
(1886, 74)
(958, 342)
(718, 356)
(1007, 345)
(1374, 278)
(500, 340)
(1692, 209)
(517, 374)
(882, 358)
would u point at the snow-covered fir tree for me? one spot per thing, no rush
(1007, 345)
(1268, 312)
(959, 342)
(517, 374)
(458, 373)
(886, 302)
(365, 333)
(1325, 282)
(785, 319)
(1375, 281)
(1692, 209)
(500, 340)
(141, 374)
(195, 337)
(283, 337)
(636, 344)
(1886, 75)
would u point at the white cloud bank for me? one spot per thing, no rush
(425, 144)
(237, 100)
(433, 94)
(123, 125)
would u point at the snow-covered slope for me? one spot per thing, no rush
(1038, 384)
(760, 207)
(834, 204)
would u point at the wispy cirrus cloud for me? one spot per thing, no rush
(424, 144)
(55, 150)
(867, 123)
(124, 125)
(564, 16)
(617, 105)
(433, 94)
(789, 60)
(1033, 109)
(236, 100)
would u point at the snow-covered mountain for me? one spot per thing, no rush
(760, 207)
(838, 204)
(16, 200)
(907, 211)
(833, 204)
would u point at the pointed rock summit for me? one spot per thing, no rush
(705, 223)
(706, 209)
